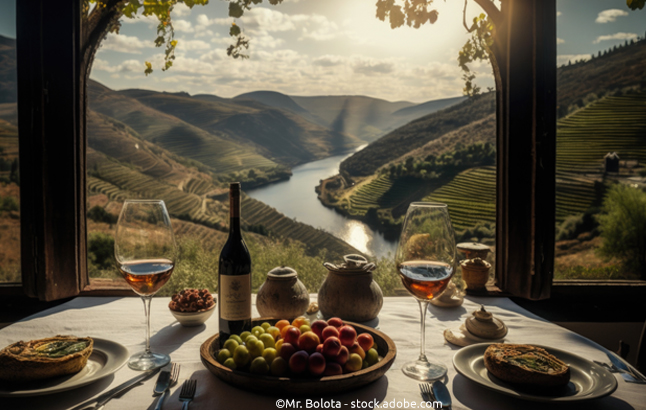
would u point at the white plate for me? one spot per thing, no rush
(587, 379)
(107, 357)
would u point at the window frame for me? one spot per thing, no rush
(51, 102)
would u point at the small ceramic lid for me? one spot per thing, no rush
(483, 324)
(476, 264)
(282, 272)
(474, 249)
(353, 264)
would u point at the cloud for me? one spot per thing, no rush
(608, 16)
(559, 14)
(192, 45)
(328, 61)
(372, 67)
(151, 21)
(616, 36)
(183, 26)
(181, 10)
(560, 41)
(125, 67)
(125, 44)
(564, 58)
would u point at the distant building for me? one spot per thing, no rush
(611, 161)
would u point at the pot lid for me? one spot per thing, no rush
(477, 263)
(353, 264)
(484, 324)
(282, 272)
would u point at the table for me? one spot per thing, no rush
(122, 320)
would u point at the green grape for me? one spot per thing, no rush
(265, 325)
(231, 345)
(223, 355)
(230, 363)
(269, 354)
(241, 356)
(372, 356)
(244, 335)
(255, 347)
(257, 331)
(236, 338)
(259, 366)
(267, 340)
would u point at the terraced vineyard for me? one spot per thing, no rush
(612, 124)
(386, 192)
(198, 186)
(257, 213)
(368, 195)
(471, 196)
(118, 182)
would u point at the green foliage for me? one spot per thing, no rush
(431, 167)
(622, 224)
(477, 48)
(575, 225)
(9, 204)
(100, 251)
(99, 214)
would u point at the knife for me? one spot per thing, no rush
(163, 380)
(107, 396)
(614, 359)
(163, 383)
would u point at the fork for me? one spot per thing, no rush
(427, 394)
(187, 393)
(174, 375)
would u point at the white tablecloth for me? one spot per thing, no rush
(122, 320)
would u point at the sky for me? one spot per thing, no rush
(329, 47)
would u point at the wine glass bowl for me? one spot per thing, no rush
(145, 252)
(425, 260)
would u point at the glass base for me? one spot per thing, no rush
(148, 361)
(424, 371)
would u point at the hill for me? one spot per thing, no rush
(283, 136)
(415, 134)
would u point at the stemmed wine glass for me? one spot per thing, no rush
(145, 251)
(425, 260)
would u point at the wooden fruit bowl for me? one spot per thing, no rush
(302, 385)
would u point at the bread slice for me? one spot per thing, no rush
(44, 358)
(526, 365)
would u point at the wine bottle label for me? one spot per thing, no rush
(235, 291)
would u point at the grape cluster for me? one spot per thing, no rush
(191, 300)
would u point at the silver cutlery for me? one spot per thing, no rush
(619, 363)
(425, 389)
(187, 393)
(166, 379)
(110, 394)
(441, 394)
(626, 375)
(436, 392)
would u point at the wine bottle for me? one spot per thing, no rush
(234, 275)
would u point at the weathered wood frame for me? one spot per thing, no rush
(52, 149)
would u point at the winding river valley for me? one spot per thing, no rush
(297, 199)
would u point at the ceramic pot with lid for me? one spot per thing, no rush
(282, 295)
(349, 291)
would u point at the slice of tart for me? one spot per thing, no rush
(44, 358)
(526, 365)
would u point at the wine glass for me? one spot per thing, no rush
(425, 261)
(145, 251)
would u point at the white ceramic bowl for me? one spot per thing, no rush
(190, 319)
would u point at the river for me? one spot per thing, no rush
(297, 199)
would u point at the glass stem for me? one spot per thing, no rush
(147, 300)
(423, 305)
